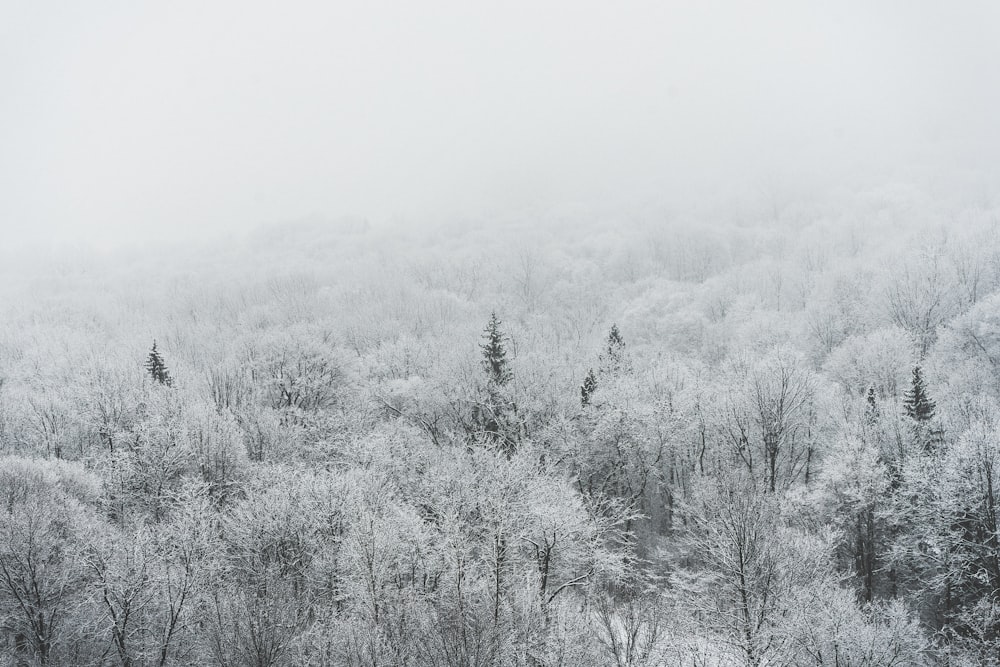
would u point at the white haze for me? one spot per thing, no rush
(123, 120)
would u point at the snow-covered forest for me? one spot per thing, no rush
(535, 333)
(770, 437)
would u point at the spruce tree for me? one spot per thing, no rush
(615, 360)
(588, 388)
(917, 404)
(496, 416)
(616, 344)
(494, 353)
(871, 406)
(157, 368)
(920, 408)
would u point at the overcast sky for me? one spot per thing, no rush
(140, 117)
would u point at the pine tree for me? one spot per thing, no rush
(920, 408)
(616, 344)
(871, 407)
(157, 368)
(496, 415)
(588, 388)
(917, 404)
(494, 353)
(615, 358)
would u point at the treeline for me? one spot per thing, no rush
(507, 446)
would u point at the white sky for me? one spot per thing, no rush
(135, 118)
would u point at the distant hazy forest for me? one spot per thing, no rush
(750, 435)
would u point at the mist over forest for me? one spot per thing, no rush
(447, 334)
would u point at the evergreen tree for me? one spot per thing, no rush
(871, 406)
(920, 408)
(588, 388)
(157, 368)
(917, 404)
(494, 353)
(496, 415)
(616, 344)
(615, 359)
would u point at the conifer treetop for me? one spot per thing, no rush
(615, 341)
(917, 404)
(871, 404)
(615, 358)
(588, 388)
(494, 353)
(157, 367)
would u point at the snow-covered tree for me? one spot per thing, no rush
(588, 388)
(157, 367)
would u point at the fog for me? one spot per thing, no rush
(123, 120)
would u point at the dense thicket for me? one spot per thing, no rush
(768, 443)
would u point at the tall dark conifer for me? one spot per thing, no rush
(496, 416)
(871, 406)
(588, 388)
(920, 408)
(615, 359)
(494, 353)
(917, 404)
(157, 367)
